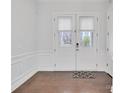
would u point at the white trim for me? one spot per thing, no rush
(22, 78)
(23, 56)
(45, 68)
(30, 53)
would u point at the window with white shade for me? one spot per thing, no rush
(65, 23)
(86, 27)
(86, 23)
(65, 30)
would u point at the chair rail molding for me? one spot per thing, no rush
(18, 58)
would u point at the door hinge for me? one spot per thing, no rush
(96, 49)
(75, 30)
(54, 19)
(96, 34)
(107, 33)
(54, 50)
(96, 65)
(54, 35)
(54, 65)
(108, 17)
(97, 19)
(107, 49)
(107, 65)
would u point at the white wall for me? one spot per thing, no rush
(23, 40)
(23, 22)
(45, 12)
(32, 35)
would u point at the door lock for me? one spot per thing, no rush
(77, 45)
(77, 49)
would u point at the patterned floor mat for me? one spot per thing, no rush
(84, 74)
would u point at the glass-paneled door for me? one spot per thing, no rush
(86, 50)
(64, 52)
(74, 42)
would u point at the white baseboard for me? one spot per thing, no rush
(23, 78)
(45, 68)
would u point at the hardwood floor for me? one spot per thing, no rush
(63, 82)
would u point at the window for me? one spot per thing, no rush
(86, 27)
(86, 23)
(64, 23)
(86, 39)
(65, 30)
(65, 38)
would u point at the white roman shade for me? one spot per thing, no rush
(65, 23)
(86, 23)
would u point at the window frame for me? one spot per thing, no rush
(59, 31)
(86, 30)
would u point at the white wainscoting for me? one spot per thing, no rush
(45, 61)
(22, 78)
(24, 66)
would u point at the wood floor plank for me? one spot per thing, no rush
(63, 82)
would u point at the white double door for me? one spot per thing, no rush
(75, 43)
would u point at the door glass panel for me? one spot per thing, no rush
(86, 39)
(86, 23)
(65, 38)
(65, 23)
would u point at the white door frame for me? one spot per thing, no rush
(76, 14)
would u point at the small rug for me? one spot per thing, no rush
(84, 74)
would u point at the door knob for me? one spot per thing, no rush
(77, 44)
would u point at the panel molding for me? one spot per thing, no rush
(28, 74)
(22, 79)
(18, 58)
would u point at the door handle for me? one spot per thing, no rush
(77, 45)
